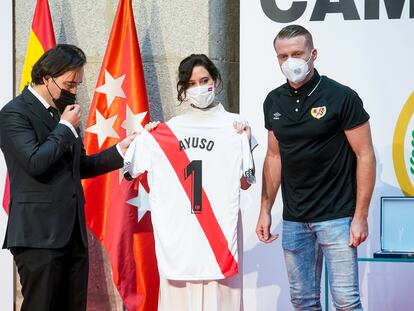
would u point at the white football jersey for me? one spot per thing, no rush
(194, 164)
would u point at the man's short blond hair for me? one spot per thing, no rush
(292, 31)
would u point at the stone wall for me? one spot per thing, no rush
(168, 31)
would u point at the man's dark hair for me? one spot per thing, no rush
(292, 31)
(185, 70)
(57, 61)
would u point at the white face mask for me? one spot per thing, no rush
(201, 96)
(295, 69)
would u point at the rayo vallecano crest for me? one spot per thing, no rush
(403, 148)
(318, 112)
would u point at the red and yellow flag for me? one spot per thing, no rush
(41, 39)
(119, 108)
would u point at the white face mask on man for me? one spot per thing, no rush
(201, 96)
(295, 69)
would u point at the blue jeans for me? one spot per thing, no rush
(305, 245)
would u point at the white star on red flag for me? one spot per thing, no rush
(103, 128)
(112, 88)
(141, 201)
(133, 122)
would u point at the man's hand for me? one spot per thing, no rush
(72, 114)
(361, 143)
(124, 144)
(358, 232)
(263, 228)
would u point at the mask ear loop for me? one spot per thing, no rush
(218, 86)
(50, 93)
(49, 90)
(310, 56)
(56, 83)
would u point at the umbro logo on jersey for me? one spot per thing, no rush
(318, 112)
(276, 116)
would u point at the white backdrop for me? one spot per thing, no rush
(6, 93)
(375, 58)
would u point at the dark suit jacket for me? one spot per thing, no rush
(45, 163)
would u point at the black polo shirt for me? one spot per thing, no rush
(318, 165)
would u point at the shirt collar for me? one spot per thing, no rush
(38, 96)
(307, 88)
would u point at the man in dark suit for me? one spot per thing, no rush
(40, 139)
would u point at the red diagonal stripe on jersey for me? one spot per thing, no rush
(208, 222)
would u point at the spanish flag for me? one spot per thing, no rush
(41, 39)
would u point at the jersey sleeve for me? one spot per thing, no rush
(137, 158)
(247, 163)
(352, 113)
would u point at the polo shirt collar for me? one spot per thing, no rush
(307, 88)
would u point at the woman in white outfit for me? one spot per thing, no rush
(198, 82)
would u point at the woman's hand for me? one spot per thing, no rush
(151, 125)
(240, 127)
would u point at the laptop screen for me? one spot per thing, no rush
(397, 224)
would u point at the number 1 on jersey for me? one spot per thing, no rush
(195, 169)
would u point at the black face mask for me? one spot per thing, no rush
(66, 98)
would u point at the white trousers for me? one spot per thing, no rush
(217, 295)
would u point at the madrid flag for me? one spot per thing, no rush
(41, 39)
(119, 108)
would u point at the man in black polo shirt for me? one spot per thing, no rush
(320, 152)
